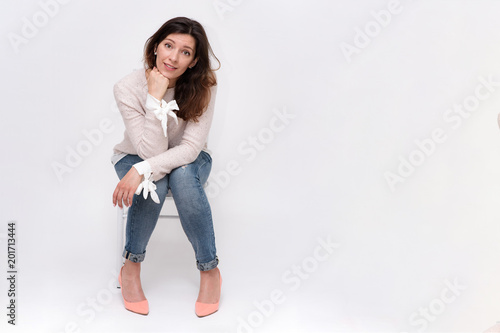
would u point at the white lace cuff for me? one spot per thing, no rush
(143, 167)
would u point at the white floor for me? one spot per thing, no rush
(334, 292)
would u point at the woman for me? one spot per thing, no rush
(163, 149)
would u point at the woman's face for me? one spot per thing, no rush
(174, 55)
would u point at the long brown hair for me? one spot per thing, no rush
(192, 89)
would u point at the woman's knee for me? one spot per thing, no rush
(188, 180)
(196, 172)
(182, 176)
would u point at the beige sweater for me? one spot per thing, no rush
(144, 135)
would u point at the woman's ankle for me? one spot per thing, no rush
(211, 273)
(132, 268)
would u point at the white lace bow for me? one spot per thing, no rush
(162, 113)
(149, 187)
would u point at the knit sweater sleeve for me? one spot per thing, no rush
(142, 127)
(193, 140)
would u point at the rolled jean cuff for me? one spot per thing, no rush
(209, 265)
(133, 257)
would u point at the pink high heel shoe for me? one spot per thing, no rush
(205, 309)
(141, 307)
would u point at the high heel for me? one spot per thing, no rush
(141, 307)
(205, 309)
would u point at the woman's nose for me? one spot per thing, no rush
(173, 56)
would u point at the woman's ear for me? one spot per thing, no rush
(193, 63)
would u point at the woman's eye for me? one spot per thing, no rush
(168, 45)
(187, 53)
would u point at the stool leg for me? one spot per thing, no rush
(121, 220)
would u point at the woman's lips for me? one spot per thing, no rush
(169, 67)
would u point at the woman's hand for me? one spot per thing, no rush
(126, 188)
(157, 83)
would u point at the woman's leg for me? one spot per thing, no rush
(141, 220)
(186, 183)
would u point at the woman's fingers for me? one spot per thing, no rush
(126, 188)
(157, 83)
(122, 197)
(120, 201)
(115, 196)
(129, 198)
(157, 71)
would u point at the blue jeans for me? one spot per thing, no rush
(186, 184)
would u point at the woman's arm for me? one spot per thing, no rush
(194, 138)
(142, 126)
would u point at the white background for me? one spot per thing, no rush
(320, 177)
